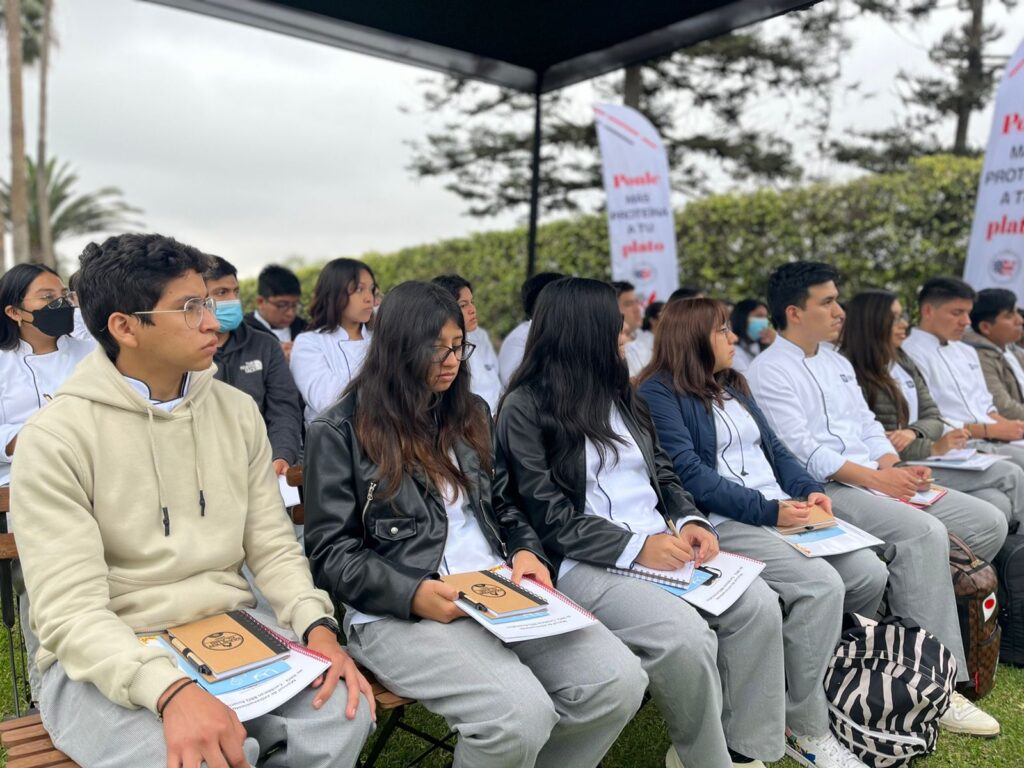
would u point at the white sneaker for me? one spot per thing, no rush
(820, 752)
(964, 717)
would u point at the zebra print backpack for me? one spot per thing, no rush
(888, 684)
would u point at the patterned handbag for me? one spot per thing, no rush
(975, 584)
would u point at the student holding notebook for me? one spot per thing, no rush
(138, 495)
(583, 462)
(728, 457)
(896, 392)
(398, 490)
(811, 399)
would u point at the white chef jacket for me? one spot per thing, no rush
(817, 409)
(483, 367)
(953, 374)
(27, 382)
(323, 364)
(511, 353)
(621, 492)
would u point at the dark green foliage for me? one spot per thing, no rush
(889, 231)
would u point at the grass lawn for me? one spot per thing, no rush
(644, 742)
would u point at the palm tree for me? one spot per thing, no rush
(71, 213)
(18, 208)
(46, 253)
(31, 18)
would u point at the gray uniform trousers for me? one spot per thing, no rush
(1000, 486)
(917, 552)
(717, 680)
(554, 702)
(814, 591)
(95, 732)
(1006, 477)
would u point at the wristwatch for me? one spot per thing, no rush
(331, 624)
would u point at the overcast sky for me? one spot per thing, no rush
(256, 146)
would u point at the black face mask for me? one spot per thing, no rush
(54, 321)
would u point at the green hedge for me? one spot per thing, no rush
(889, 231)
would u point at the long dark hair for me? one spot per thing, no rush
(572, 365)
(331, 293)
(399, 421)
(13, 287)
(683, 353)
(867, 341)
(741, 316)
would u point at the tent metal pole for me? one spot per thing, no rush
(531, 253)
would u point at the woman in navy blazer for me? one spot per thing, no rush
(744, 478)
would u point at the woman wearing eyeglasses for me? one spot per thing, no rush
(399, 488)
(37, 351)
(330, 352)
(896, 392)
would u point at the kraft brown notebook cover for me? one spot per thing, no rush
(227, 644)
(818, 519)
(493, 594)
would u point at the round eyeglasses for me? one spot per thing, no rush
(193, 311)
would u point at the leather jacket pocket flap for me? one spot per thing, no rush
(394, 528)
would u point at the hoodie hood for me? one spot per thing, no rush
(97, 380)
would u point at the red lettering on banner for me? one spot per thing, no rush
(1004, 226)
(1013, 123)
(650, 246)
(621, 180)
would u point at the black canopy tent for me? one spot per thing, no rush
(535, 46)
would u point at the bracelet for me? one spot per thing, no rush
(162, 708)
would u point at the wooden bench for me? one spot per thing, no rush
(28, 745)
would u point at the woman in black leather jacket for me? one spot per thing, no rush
(398, 489)
(584, 463)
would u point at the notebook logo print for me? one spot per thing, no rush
(487, 590)
(222, 641)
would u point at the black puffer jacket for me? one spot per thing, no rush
(555, 505)
(373, 553)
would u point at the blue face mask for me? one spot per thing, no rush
(229, 315)
(755, 325)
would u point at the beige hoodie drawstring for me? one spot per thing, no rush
(159, 478)
(199, 469)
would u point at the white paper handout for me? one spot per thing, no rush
(718, 583)
(956, 454)
(835, 540)
(259, 691)
(562, 615)
(919, 499)
(979, 462)
(289, 494)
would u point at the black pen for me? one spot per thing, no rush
(479, 606)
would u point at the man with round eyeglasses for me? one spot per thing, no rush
(145, 488)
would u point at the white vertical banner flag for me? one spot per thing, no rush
(995, 255)
(641, 227)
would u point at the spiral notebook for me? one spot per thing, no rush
(680, 577)
(226, 644)
(494, 595)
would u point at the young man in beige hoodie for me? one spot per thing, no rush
(137, 496)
